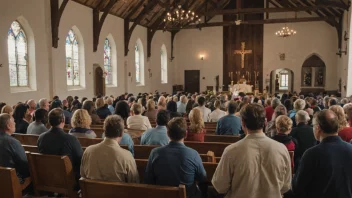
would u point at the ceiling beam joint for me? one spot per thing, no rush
(56, 14)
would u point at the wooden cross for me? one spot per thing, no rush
(243, 52)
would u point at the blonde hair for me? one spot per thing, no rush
(99, 103)
(196, 121)
(150, 105)
(139, 101)
(175, 99)
(7, 109)
(137, 108)
(299, 104)
(283, 124)
(340, 113)
(109, 101)
(81, 119)
(217, 104)
(183, 99)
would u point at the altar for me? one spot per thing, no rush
(237, 88)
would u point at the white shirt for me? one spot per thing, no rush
(254, 167)
(138, 122)
(216, 115)
(205, 112)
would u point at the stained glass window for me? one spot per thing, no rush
(137, 62)
(18, 57)
(107, 62)
(163, 56)
(72, 57)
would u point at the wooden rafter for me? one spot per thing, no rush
(128, 30)
(98, 23)
(134, 9)
(173, 35)
(56, 14)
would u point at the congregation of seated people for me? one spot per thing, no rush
(289, 146)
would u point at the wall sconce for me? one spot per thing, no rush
(201, 57)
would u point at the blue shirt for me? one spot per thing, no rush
(181, 108)
(12, 155)
(174, 164)
(155, 136)
(325, 170)
(228, 125)
(127, 140)
(112, 110)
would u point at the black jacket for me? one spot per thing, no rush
(57, 142)
(325, 170)
(304, 136)
(103, 112)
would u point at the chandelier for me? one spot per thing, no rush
(285, 32)
(179, 17)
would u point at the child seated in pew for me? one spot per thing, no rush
(196, 130)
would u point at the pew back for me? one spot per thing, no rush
(94, 189)
(61, 180)
(203, 147)
(26, 139)
(10, 185)
(221, 138)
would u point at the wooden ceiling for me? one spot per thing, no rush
(150, 13)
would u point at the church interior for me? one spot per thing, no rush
(230, 42)
(221, 54)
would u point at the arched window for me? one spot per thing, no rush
(284, 80)
(137, 63)
(18, 58)
(163, 55)
(72, 59)
(107, 62)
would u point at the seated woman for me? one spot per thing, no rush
(151, 111)
(122, 109)
(7, 109)
(102, 108)
(172, 109)
(89, 106)
(80, 124)
(22, 118)
(196, 131)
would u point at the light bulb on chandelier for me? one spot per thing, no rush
(285, 32)
(178, 17)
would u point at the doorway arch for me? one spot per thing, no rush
(281, 80)
(99, 80)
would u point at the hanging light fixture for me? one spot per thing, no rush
(179, 17)
(285, 32)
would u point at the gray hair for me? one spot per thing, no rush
(4, 120)
(299, 104)
(302, 116)
(275, 102)
(348, 108)
(42, 102)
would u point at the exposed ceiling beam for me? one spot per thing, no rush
(134, 10)
(263, 10)
(56, 14)
(255, 22)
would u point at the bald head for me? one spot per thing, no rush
(327, 121)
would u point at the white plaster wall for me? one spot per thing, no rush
(190, 44)
(10, 11)
(50, 62)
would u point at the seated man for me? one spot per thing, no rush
(12, 153)
(229, 124)
(255, 166)
(38, 126)
(137, 121)
(201, 106)
(57, 142)
(158, 135)
(176, 164)
(107, 161)
(325, 169)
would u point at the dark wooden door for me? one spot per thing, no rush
(99, 82)
(192, 82)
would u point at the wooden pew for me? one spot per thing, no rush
(221, 138)
(203, 147)
(208, 166)
(31, 148)
(95, 189)
(10, 185)
(51, 173)
(26, 139)
(85, 142)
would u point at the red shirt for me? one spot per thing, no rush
(269, 111)
(196, 137)
(346, 134)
